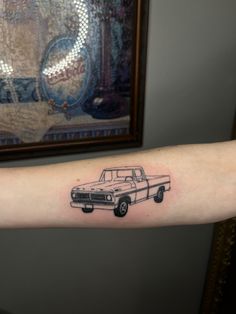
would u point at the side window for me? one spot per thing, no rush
(108, 176)
(138, 174)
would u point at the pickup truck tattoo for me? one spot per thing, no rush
(118, 188)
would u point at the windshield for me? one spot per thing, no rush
(116, 175)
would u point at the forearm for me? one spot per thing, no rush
(202, 180)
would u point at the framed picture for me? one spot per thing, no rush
(220, 285)
(72, 76)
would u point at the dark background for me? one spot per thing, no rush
(228, 303)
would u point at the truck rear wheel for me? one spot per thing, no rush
(122, 208)
(160, 195)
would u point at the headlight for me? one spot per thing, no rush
(73, 195)
(109, 197)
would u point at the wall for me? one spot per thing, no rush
(190, 97)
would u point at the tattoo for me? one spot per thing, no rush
(119, 187)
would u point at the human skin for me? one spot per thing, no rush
(203, 190)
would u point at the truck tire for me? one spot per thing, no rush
(122, 208)
(87, 210)
(160, 195)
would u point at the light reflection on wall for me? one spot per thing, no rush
(80, 41)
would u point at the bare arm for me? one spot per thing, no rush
(181, 185)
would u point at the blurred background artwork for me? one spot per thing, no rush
(66, 69)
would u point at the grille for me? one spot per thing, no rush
(98, 197)
(82, 196)
(90, 197)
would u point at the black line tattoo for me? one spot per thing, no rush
(119, 187)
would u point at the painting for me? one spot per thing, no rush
(72, 75)
(220, 284)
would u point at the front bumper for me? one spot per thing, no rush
(93, 206)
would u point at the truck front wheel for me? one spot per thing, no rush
(160, 195)
(122, 208)
(87, 210)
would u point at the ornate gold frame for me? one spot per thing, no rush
(218, 270)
